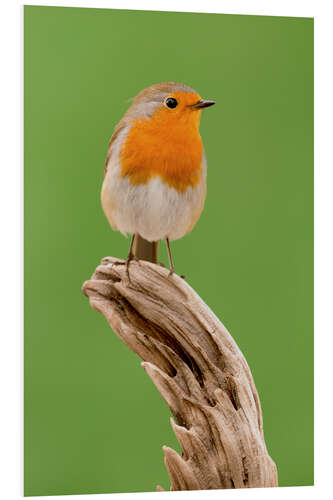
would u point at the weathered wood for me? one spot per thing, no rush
(198, 369)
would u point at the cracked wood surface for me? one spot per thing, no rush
(198, 369)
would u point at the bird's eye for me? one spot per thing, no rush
(171, 102)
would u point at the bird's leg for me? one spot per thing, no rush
(130, 256)
(172, 268)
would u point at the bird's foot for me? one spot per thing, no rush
(171, 272)
(130, 257)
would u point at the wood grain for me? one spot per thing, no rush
(198, 369)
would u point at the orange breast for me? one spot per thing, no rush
(164, 145)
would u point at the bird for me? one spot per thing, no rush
(154, 185)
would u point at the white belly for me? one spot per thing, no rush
(153, 210)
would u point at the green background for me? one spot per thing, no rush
(94, 421)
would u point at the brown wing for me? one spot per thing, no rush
(117, 130)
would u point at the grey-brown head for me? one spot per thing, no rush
(171, 95)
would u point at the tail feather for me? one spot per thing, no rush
(145, 250)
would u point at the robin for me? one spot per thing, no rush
(155, 170)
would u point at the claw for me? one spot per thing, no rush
(172, 270)
(130, 257)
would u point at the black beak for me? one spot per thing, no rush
(202, 104)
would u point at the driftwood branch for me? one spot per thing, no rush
(199, 371)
